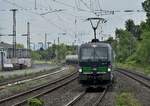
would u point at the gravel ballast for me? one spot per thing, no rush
(126, 84)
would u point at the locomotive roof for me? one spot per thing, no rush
(98, 44)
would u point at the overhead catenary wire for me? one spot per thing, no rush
(65, 4)
(47, 20)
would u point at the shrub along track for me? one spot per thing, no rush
(144, 80)
(21, 98)
(35, 76)
(87, 98)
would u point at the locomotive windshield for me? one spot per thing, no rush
(101, 53)
(87, 53)
(98, 53)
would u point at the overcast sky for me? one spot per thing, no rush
(56, 23)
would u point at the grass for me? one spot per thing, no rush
(25, 74)
(35, 102)
(42, 62)
(54, 61)
(31, 84)
(145, 69)
(126, 99)
(1, 78)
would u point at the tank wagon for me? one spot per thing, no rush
(96, 61)
(72, 59)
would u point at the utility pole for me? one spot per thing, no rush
(45, 41)
(54, 42)
(48, 43)
(14, 31)
(28, 36)
(35, 7)
(57, 50)
(58, 40)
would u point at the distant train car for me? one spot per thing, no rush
(14, 58)
(96, 60)
(72, 59)
(22, 59)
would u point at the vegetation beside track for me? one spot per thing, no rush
(35, 102)
(126, 99)
(14, 89)
(144, 69)
(132, 43)
(26, 74)
(54, 52)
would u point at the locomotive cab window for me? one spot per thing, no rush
(87, 53)
(98, 53)
(101, 53)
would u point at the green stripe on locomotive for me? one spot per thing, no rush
(97, 69)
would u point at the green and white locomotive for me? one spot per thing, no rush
(96, 60)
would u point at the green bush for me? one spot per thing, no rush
(35, 102)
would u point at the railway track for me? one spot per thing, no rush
(21, 98)
(30, 78)
(144, 80)
(100, 96)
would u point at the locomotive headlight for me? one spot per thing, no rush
(109, 69)
(80, 70)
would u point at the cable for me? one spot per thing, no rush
(88, 7)
(62, 3)
(48, 5)
(99, 5)
(49, 21)
(85, 4)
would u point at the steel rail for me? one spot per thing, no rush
(79, 97)
(71, 103)
(38, 91)
(101, 96)
(141, 79)
(6, 83)
(136, 73)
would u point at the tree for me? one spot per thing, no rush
(146, 7)
(35, 55)
(112, 42)
(143, 51)
(129, 25)
(135, 30)
(19, 45)
(126, 45)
